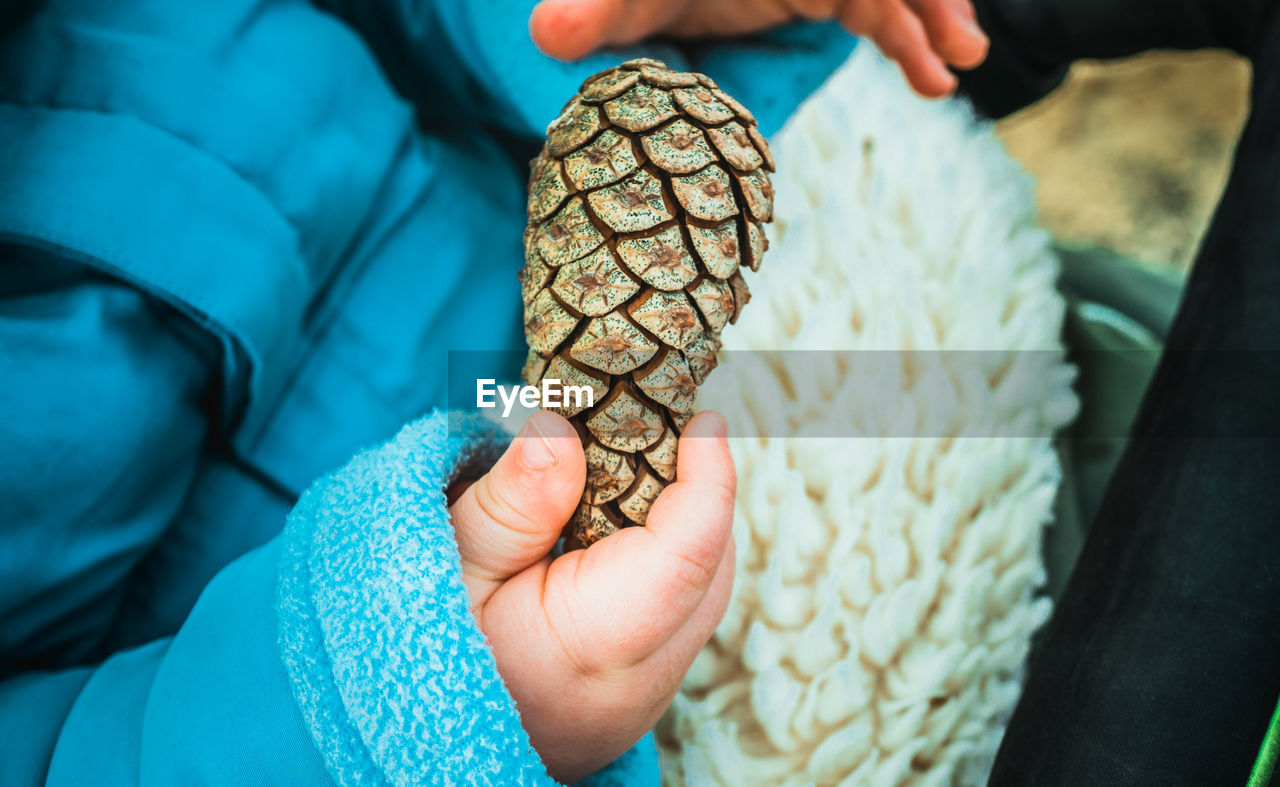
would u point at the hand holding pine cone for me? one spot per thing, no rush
(644, 204)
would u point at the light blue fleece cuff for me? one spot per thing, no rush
(394, 679)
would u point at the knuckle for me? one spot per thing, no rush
(694, 567)
(731, 481)
(725, 494)
(495, 504)
(563, 628)
(862, 17)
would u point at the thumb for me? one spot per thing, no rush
(512, 516)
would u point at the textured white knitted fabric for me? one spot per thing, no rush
(886, 584)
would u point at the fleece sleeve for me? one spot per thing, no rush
(344, 650)
(393, 677)
(462, 60)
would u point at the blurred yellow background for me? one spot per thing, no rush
(1133, 155)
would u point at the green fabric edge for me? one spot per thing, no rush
(1264, 767)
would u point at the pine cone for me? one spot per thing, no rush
(645, 201)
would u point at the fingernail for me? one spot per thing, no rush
(975, 31)
(536, 452)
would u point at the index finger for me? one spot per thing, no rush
(641, 585)
(693, 518)
(953, 31)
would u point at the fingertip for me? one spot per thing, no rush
(707, 423)
(930, 78)
(703, 453)
(557, 430)
(953, 31)
(973, 51)
(570, 29)
(924, 70)
(547, 440)
(513, 514)
(963, 44)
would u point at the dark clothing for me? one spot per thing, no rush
(1160, 664)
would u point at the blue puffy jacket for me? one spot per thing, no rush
(237, 239)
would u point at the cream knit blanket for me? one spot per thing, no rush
(886, 587)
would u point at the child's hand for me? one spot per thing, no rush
(923, 36)
(594, 644)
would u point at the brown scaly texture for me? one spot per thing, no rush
(644, 204)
